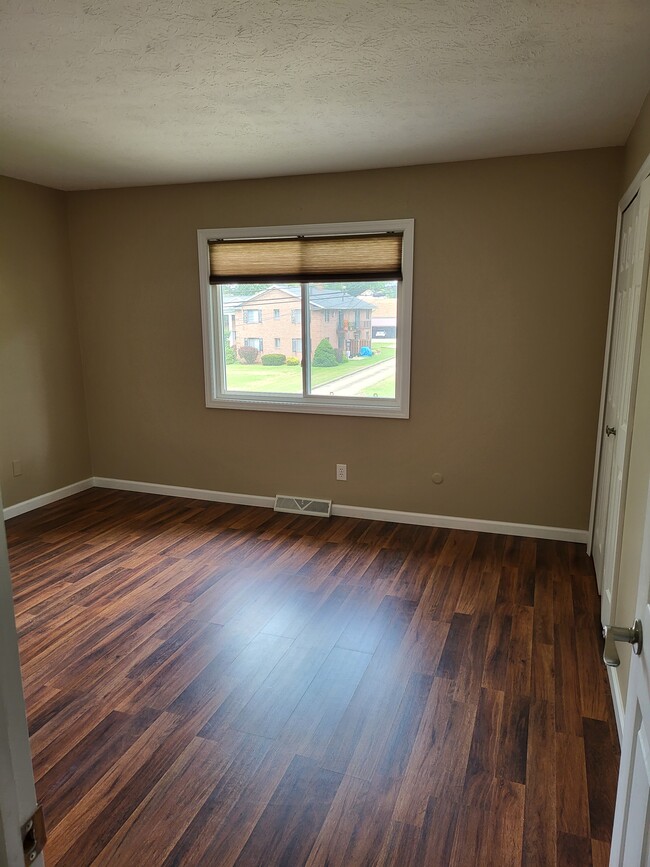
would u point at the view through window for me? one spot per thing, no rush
(313, 318)
(351, 333)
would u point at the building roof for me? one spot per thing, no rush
(383, 306)
(230, 302)
(320, 298)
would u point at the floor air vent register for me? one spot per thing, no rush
(302, 506)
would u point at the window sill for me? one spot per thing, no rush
(317, 407)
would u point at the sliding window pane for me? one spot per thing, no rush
(261, 335)
(353, 338)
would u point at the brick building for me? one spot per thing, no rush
(384, 315)
(271, 320)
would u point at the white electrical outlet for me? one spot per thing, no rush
(17, 467)
(341, 472)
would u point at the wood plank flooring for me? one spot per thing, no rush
(211, 684)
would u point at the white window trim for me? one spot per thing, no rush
(215, 393)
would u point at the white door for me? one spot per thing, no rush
(17, 795)
(633, 253)
(631, 835)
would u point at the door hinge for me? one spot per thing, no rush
(34, 836)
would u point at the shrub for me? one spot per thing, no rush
(248, 354)
(230, 356)
(324, 355)
(274, 359)
(292, 361)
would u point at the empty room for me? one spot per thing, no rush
(325, 434)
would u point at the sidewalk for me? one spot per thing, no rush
(353, 383)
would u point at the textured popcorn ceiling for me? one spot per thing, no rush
(103, 93)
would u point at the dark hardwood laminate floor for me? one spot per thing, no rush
(211, 684)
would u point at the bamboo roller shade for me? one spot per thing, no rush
(297, 260)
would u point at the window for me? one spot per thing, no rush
(322, 282)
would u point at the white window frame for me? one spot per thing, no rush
(216, 395)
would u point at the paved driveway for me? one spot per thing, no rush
(353, 383)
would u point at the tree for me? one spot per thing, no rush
(248, 354)
(247, 289)
(324, 355)
(379, 288)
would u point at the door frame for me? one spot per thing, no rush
(624, 202)
(637, 689)
(17, 793)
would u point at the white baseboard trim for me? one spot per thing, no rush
(453, 523)
(187, 493)
(617, 699)
(422, 518)
(46, 499)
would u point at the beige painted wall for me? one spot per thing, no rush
(42, 408)
(637, 149)
(512, 269)
(638, 144)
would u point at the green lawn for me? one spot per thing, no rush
(288, 380)
(383, 388)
